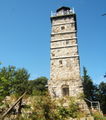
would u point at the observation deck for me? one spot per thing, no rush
(63, 11)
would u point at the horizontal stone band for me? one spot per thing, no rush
(65, 57)
(62, 23)
(68, 32)
(64, 39)
(64, 47)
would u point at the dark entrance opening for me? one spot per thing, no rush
(65, 90)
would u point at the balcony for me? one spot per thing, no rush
(62, 13)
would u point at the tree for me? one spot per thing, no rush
(20, 82)
(13, 81)
(94, 92)
(102, 96)
(38, 85)
(6, 78)
(88, 85)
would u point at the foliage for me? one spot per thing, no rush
(94, 92)
(88, 85)
(15, 81)
(38, 86)
(69, 107)
(20, 83)
(101, 96)
(98, 116)
(102, 90)
(12, 81)
(73, 109)
(6, 78)
(42, 107)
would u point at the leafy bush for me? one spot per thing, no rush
(13, 81)
(98, 116)
(42, 107)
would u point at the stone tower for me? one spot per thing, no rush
(65, 67)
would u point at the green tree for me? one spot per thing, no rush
(94, 92)
(102, 96)
(38, 86)
(88, 85)
(13, 81)
(20, 82)
(6, 78)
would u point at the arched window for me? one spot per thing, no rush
(65, 90)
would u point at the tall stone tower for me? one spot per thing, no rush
(65, 67)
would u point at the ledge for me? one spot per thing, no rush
(65, 15)
(67, 32)
(62, 23)
(64, 57)
(63, 39)
(75, 45)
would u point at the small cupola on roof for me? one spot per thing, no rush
(63, 9)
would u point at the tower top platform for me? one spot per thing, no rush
(63, 8)
(63, 11)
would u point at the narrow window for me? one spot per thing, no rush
(60, 62)
(53, 54)
(72, 25)
(52, 35)
(65, 90)
(67, 42)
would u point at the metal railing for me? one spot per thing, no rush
(68, 12)
(94, 104)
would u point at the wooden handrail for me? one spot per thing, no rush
(18, 100)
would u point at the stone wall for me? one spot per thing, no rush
(65, 20)
(62, 43)
(63, 36)
(62, 28)
(61, 71)
(65, 68)
(65, 52)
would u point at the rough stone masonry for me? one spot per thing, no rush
(65, 65)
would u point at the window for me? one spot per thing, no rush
(60, 62)
(62, 28)
(53, 54)
(65, 90)
(67, 41)
(72, 24)
(52, 35)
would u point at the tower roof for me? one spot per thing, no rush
(62, 8)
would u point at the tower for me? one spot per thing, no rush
(65, 67)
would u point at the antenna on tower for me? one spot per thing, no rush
(73, 10)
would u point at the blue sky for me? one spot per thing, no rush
(25, 34)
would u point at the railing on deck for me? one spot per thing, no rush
(94, 104)
(68, 12)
